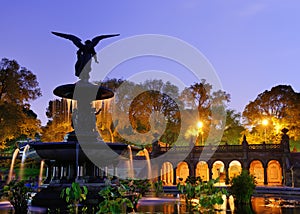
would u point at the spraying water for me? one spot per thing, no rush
(25, 151)
(146, 153)
(10, 174)
(131, 170)
(41, 173)
(69, 101)
(26, 148)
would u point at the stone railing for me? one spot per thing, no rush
(228, 148)
(6, 155)
(265, 147)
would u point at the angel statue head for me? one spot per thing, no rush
(85, 53)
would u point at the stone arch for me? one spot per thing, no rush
(257, 170)
(234, 169)
(218, 170)
(202, 170)
(166, 173)
(274, 173)
(182, 171)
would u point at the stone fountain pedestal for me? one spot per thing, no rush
(76, 159)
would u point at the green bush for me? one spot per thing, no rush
(115, 200)
(136, 188)
(242, 187)
(17, 194)
(158, 187)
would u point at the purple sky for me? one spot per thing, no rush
(253, 45)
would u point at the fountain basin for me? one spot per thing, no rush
(66, 151)
(85, 88)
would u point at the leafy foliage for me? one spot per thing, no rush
(140, 108)
(280, 106)
(115, 200)
(18, 86)
(59, 122)
(74, 195)
(155, 106)
(137, 185)
(242, 187)
(210, 107)
(158, 187)
(205, 193)
(17, 194)
(136, 188)
(233, 129)
(160, 106)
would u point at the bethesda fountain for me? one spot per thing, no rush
(77, 159)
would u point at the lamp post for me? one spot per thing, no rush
(265, 123)
(200, 125)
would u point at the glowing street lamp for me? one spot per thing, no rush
(200, 126)
(265, 123)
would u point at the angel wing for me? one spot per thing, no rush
(96, 40)
(71, 37)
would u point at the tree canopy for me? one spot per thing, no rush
(140, 110)
(156, 108)
(210, 106)
(59, 124)
(234, 128)
(18, 86)
(279, 108)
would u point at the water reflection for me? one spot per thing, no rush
(275, 205)
(161, 205)
(265, 205)
(259, 205)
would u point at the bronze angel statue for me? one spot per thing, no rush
(85, 53)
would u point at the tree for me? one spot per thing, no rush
(280, 107)
(233, 129)
(18, 86)
(114, 113)
(156, 111)
(210, 107)
(59, 124)
(138, 108)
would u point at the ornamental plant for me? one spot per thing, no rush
(201, 196)
(115, 200)
(158, 187)
(17, 194)
(74, 195)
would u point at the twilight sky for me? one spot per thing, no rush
(253, 45)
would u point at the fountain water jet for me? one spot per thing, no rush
(69, 101)
(21, 174)
(10, 174)
(41, 173)
(146, 153)
(131, 170)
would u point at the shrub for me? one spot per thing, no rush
(205, 193)
(17, 194)
(158, 187)
(242, 187)
(115, 200)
